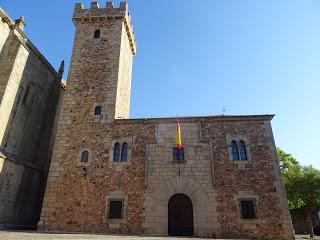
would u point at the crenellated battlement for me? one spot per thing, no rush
(109, 5)
(97, 13)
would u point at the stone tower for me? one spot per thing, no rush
(101, 66)
(97, 93)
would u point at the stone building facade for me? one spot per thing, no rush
(112, 174)
(30, 90)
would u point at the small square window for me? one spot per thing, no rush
(248, 209)
(97, 111)
(178, 154)
(115, 209)
(96, 34)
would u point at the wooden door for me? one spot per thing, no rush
(180, 216)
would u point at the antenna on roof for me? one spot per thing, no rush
(223, 110)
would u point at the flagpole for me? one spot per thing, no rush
(178, 143)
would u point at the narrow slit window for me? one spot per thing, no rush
(26, 94)
(235, 151)
(116, 154)
(243, 151)
(85, 157)
(124, 152)
(97, 111)
(96, 34)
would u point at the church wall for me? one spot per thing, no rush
(20, 191)
(4, 29)
(30, 94)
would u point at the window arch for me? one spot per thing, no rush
(124, 152)
(96, 34)
(243, 151)
(85, 157)
(116, 153)
(97, 110)
(235, 151)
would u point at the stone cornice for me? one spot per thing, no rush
(197, 119)
(16, 159)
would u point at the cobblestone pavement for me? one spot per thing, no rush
(43, 236)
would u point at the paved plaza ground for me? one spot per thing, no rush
(43, 236)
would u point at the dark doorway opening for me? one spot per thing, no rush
(180, 216)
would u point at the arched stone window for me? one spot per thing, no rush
(124, 152)
(85, 157)
(116, 153)
(96, 34)
(235, 151)
(120, 151)
(97, 110)
(243, 151)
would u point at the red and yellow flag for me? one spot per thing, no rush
(179, 143)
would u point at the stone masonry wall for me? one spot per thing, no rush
(212, 181)
(256, 178)
(77, 203)
(101, 67)
(124, 80)
(193, 178)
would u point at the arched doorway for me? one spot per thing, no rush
(180, 216)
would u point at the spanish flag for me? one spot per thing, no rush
(179, 143)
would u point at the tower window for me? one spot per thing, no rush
(178, 154)
(97, 111)
(248, 209)
(85, 157)
(96, 34)
(115, 209)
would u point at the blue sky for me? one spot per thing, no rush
(198, 57)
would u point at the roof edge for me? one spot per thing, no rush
(266, 117)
